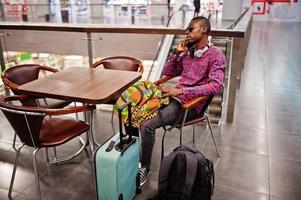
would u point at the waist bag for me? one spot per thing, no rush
(146, 99)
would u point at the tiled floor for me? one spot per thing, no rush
(260, 151)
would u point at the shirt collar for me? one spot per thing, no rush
(204, 45)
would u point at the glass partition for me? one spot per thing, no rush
(69, 49)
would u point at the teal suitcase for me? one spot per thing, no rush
(116, 166)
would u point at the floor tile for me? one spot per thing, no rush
(283, 122)
(285, 147)
(228, 193)
(252, 101)
(246, 171)
(244, 140)
(248, 117)
(284, 105)
(285, 178)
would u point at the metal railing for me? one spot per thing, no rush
(233, 24)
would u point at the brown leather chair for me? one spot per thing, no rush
(37, 129)
(202, 117)
(119, 63)
(18, 75)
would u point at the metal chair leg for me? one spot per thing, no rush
(47, 155)
(55, 154)
(68, 158)
(18, 151)
(182, 125)
(211, 132)
(162, 145)
(76, 114)
(193, 135)
(36, 173)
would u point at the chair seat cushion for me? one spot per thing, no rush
(59, 130)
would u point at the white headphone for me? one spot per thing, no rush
(199, 53)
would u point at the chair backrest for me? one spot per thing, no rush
(26, 121)
(22, 74)
(121, 63)
(19, 75)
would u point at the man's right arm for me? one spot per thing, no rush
(174, 66)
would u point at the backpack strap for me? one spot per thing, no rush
(164, 170)
(212, 177)
(141, 94)
(191, 172)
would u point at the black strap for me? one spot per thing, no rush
(191, 172)
(164, 170)
(141, 94)
(120, 120)
(212, 177)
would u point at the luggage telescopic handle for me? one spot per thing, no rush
(128, 104)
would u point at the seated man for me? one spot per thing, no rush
(201, 67)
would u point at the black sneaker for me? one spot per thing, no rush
(144, 172)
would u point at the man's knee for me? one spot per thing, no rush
(148, 128)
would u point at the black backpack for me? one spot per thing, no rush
(185, 174)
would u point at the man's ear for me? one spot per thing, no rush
(204, 30)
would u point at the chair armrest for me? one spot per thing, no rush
(163, 79)
(96, 64)
(70, 110)
(13, 98)
(141, 68)
(6, 102)
(193, 102)
(62, 111)
(9, 84)
(50, 69)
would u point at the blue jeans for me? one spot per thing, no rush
(169, 115)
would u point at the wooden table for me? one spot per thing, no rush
(86, 85)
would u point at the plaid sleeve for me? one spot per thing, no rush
(173, 66)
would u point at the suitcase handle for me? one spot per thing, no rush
(129, 105)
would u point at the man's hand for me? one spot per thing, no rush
(182, 46)
(171, 91)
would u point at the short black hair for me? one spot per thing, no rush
(205, 21)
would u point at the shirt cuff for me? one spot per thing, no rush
(186, 90)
